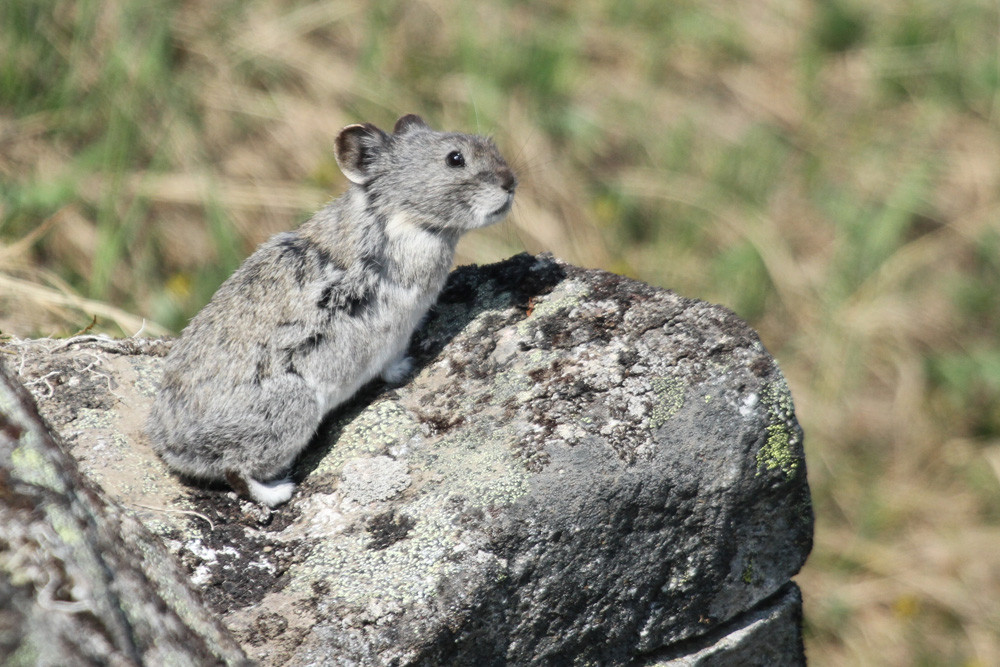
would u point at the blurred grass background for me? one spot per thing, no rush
(828, 169)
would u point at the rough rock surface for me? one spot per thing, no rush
(583, 470)
(82, 583)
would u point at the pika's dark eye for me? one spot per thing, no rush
(455, 159)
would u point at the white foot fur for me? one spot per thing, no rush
(397, 371)
(273, 493)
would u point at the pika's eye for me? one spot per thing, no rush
(455, 159)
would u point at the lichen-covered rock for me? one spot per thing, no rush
(80, 581)
(584, 469)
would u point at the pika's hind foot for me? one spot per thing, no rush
(397, 371)
(272, 493)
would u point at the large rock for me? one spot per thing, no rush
(584, 469)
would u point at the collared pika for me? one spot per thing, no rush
(316, 313)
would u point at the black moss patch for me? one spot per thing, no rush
(388, 528)
(523, 275)
(243, 562)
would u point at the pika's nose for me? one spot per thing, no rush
(508, 181)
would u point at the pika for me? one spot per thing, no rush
(316, 313)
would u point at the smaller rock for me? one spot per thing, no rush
(769, 636)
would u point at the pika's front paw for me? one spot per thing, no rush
(397, 371)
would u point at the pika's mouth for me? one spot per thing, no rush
(502, 211)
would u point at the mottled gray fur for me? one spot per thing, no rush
(316, 313)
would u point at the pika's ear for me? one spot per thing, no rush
(356, 148)
(410, 121)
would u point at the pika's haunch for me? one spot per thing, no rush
(318, 312)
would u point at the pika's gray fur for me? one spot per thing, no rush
(318, 312)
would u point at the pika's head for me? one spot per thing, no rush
(444, 180)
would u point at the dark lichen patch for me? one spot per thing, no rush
(763, 366)
(734, 328)
(467, 515)
(541, 277)
(536, 461)
(265, 627)
(628, 358)
(546, 373)
(443, 327)
(320, 591)
(388, 528)
(71, 380)
(282, 517)
(567, 328)
(603, 285)
(460, 288)
(443, 410)
(596, 316)
(611, 336)
(553, 331)
(441, 421)
(506, 288)
(523, 276)
(235, 562)
(531, 449)
(477, 363)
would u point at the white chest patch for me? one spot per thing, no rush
(362, 347)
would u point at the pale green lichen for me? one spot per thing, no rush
(105, 430)
(35, 468)
(379, 426)
(480, 468)
(67, 528)
(670, 398)
(510, 382)
(780, 448)
(682, 576)
(402, 573)
(27, 654)
(147, 376)
(89, 418)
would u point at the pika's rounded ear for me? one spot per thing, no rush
(355, 149)
(410, 121)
